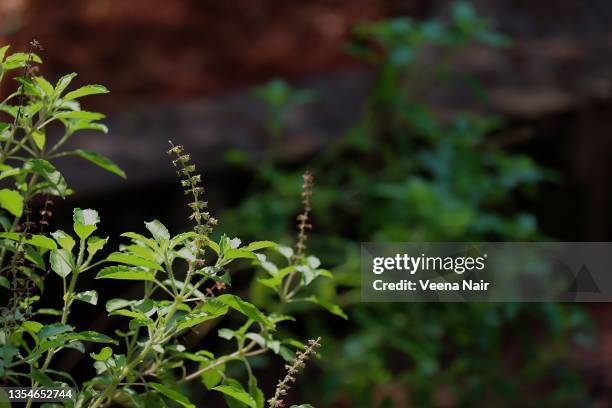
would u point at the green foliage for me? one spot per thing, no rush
(280, 99)
(405, 173)
(147, 365)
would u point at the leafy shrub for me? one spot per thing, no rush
(404, 173)
(180, 275)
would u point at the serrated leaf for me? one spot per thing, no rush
(133, 260)
(100, 161)
(193, 319)
(11, 201)
(140, 239)
(158, 230)
(173, 395)
(36, 240)
(63, 239)
(94, 244)
(85, 222)
(245, 308)
(77, 125)
(63, 83)
(4, 282)
(124, 273)
(85, 91)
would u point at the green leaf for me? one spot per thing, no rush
(36, 240)
(193, 319)
(49, 173)
(245, 308)
(235, 390)
(63, 83)
(226, 333)
(41, 378)
(100, 161)
(32, 326)
(50, 312)
(257, 245)
(85, 222)
(90, 296)
(77, 125)
(180, 238)
(212, 376)
(334, 309)
(238, 254)
(129, 313)
(158, 230)
(3, 51)
(173, 395)
(124, 273)
(19, 60)
(86, 90)
(10, 172)
(115, 304)
(103, 354)
(133, 260)
(285, 251)
(256, 392)
(39, 138)
(141, 239)
(11, 201)
(79, 114)
(64, 240)
(44, 85)
(4, 282)
(61, 262)
(94, 244)
(91, 336)
(270, 343)
(53, 330)
(153, 400)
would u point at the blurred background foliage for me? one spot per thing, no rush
(403, 173)
(426, 156)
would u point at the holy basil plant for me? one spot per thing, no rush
(182, 280)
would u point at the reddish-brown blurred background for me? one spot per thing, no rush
(181, 69)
